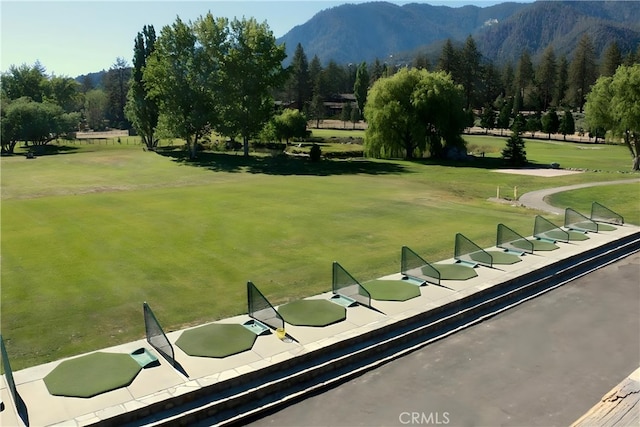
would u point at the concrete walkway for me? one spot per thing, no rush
(535, 199)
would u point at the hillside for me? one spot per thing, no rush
(365, 31)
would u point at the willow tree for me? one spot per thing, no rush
(412, 111)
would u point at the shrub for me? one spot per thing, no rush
(315, 153)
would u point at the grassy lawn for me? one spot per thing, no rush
(91, 233)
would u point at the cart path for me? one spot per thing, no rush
(535, 199)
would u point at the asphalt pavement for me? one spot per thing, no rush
(543, 363)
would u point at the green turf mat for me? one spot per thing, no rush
(577, 236)
(455, 271)
(391, 290)
(559, 235)
(538, 245)
(501, 257)
(216, 340)
(93, 374)
(312, 312)
(605, 227)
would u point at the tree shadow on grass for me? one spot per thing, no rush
(481, 163)
(282, 164)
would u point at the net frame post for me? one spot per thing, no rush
(8, 375)
(574, 220)
(417, 271)
(150, 321)
(610, 218)
(542, 226)
(507, 244)
(466, 257)
(274, 321)
(352, 289)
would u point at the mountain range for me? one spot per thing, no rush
(352, 33)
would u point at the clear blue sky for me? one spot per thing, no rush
(78, 37)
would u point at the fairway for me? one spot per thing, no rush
(88, 235)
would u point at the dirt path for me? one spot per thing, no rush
(535, 199)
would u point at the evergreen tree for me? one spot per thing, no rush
(491, 84)
(550, 123)
(317, 109)
(562, 82)
(116, 84)
(449, 61)
(488, 118)
(508, 79)
(523, 76)
(567, 125)
(582, 72)
(300, 78)
(141, 110)
(504, 117)
(546, 76)
(611, 61)
(470, 70)
(514, 153)
(345, 115)
(377, 71)
(361, 86)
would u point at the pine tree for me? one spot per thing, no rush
(562, 82)
(582, 72)
(611, 61)
(567, 125)
(546, 75)
(300, 79)
(470, 70)
(514, 153)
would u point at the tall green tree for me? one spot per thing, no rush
(345, 114)
(523, 77)
(65, 92)
(562, 82)
(508, 79)
(182, 75)
(582, 72)
(546, 75)
(116, 85)
(96, 105)
(487, 118)
(567, 125)
(141, 109)
(470, 70)
(550, 122)
(414, 110)
(611, 60)
(252, 69)
(361, 86)
(300, 79)
(25, 81)
(491, 84)
(614, 104)
(449, 61)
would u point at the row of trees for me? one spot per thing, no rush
(552, 81)
(210, 75)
